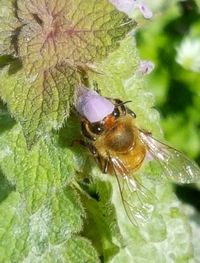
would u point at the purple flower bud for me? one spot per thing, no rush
(145, 67)
(127, 6)
(91, 105)
(147, 13)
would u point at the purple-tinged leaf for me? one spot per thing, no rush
(53, 42)
(76, 32)
(39, 102)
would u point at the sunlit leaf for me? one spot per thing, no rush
(53, 41)
(34, 238)
(78, 32)
(39, 102)
(41, 212)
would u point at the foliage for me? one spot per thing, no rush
(173, 37)
(55, 204)
(50, 43)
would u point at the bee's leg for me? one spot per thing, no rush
(85, 131)
(87, 145)
(105, 166)
(103, 163)
(99, 162)
(92, 149)
(94, 152)
(146, 132)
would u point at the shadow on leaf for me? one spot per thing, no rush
(189, 195)
(15, 64)
(6, 121)
(5, 187)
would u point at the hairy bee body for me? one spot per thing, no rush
(119, 146)
(121, 142)
(110, 133)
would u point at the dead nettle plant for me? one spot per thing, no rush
(46, 215)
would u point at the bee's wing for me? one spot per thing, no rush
(138, 201)
(176, 165)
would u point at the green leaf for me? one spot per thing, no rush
(50, 216)
(42, 211)
(36, 174)
(75, 250)
(53, 42)
(100, 212)
(45, 216)
(25, 237)
(39, 102)
(13, 229)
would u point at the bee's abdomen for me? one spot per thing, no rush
(120, 139)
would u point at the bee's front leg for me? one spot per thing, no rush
(96, 155)
(102, 163)
(86, 133)
(105, 166)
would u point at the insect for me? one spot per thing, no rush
(120, 147)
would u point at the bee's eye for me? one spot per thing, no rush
(116, 113)
(97, 128)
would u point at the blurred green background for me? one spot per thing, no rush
(175, 31)
(172, 42)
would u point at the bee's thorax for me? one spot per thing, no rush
(120, 138)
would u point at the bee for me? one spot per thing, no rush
(120, 147)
